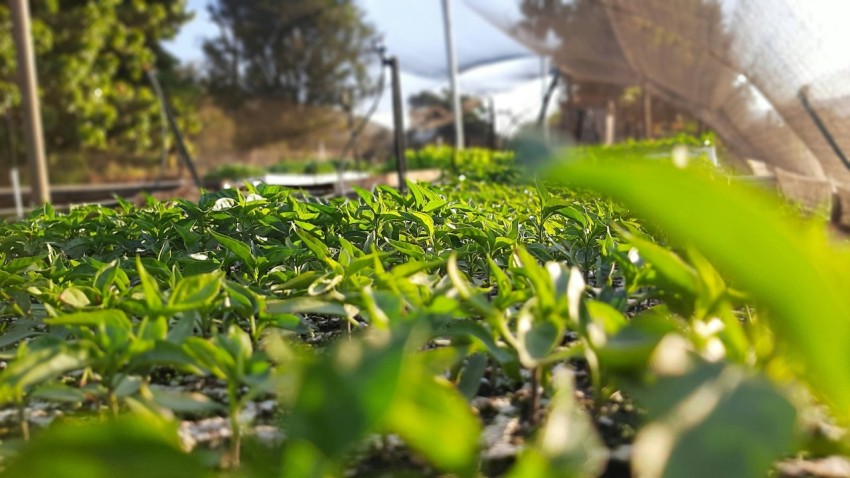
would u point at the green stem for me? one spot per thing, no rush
(253, 325)
(235, 429)
(534, 415)
(595, 377)
(22, 417)
(113, 402)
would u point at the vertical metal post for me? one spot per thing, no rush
(175, 130)
(493, 137)
(398, 124)
(802, 95)
(647, 113)
(610, 122)
(544, 96)
(542, 120)
(28, 83)
(452, 66)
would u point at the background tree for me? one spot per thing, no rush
(91, 56)
(302, 51)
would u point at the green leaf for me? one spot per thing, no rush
(423, 220)
(302, 459)
(286, 322)
(537, 338)
(568, 212)
(37, 366)
(502, 281)
(542, 191)
(301, 281)
(470, 377)
(21, 330)
(434, 419)
(676, 272)
(238, 248)
(609, 318)
(131, 447)
(349, 392)
(195, 292)
(110, 274)
(434, 205)
(407, 248)
(237, 343)
(305, 305)
(418, 194)
(410, 268)
(184, 327)
(59, 393)
(184, 402)
(101, 319)
(317, 247)
(537, 276)
(209, 357)
(629, 350)
(473, 330)
(243, 299)
(166, 354)
(74, 297)
(788, 265)
(704, 425)
(153, 297)
(152, 328)
(24, 263)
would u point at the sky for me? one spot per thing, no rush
(413, 31)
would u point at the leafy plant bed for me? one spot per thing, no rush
(466, 329)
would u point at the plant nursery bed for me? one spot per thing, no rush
(464, 329)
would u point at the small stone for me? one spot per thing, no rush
(501, 451)
(268, 435)
(605, 422)
(622, 453)
(830, 467)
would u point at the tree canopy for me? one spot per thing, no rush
(91, 56)
(304, 51)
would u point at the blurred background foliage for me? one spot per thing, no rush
(91, 58)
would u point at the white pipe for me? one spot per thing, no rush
(16, 191)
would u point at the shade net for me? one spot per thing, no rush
(740, 66)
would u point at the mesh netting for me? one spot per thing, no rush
(738, 65)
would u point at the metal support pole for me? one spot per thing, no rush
(544, 97)
(493, 136)
(542, 121)
(647, 113)
(610, 122)
(175, 130)
(450, 54)
(28, 82)
(802, 95)
(398, 123)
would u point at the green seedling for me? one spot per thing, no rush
(231, 357)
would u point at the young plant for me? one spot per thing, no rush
(33, 367)
(231, 357)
